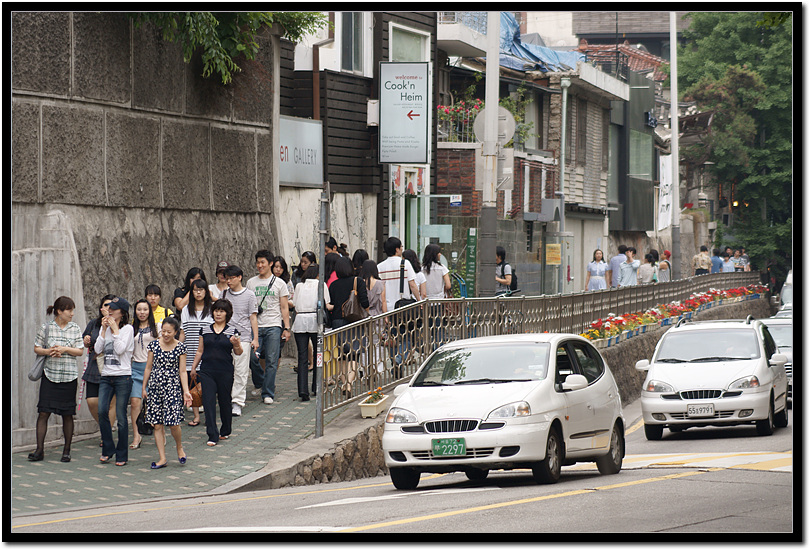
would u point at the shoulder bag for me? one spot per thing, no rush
(39, 363)
(351, 309)
(402, 302)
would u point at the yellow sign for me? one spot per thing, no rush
(553, 254)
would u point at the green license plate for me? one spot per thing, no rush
(449, 447)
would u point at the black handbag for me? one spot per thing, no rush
(144, 428)
(352, 309)
(402, 302)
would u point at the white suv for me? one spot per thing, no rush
(714, 373)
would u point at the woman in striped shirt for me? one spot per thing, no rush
(57, 390)
(194, 317)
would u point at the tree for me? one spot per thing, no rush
(224, 37)
(743, 70)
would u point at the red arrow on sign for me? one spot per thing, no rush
(411, 114)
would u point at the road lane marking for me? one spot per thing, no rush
(780, 463)
(634, 427)
(437, 492)
(452, 513)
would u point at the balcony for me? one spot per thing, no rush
(462, 33)
(613, 63)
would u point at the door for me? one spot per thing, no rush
(601, 398)
(578, 418)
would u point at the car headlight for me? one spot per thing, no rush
(658, 387)
(400, 416)
(511, 410)
(745, 383)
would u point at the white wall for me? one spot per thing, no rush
(555, 27)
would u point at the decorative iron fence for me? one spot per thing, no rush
(386, 349)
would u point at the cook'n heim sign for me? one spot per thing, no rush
(404, 113)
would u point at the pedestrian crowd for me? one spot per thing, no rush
(625, 269)
(216, 337)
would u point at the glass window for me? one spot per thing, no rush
(641, 155)
(770, 345)
(351, 47)
(482, 364)
(709, 345)
(590, 363)
(564, 366)
(407, 46)
(782, 335)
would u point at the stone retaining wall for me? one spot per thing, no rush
(362, 456)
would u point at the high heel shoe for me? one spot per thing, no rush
(34, 457)
(136, 446)
(65, 457)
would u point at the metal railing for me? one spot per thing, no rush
(385, 349)
(476, 20)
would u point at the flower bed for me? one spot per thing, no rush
(616, 328)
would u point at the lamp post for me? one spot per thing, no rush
(676, 212)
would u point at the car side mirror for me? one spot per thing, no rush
(643, 365)
(778, 360)
(399, 390)
(574, 382)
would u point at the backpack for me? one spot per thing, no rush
(513, 284)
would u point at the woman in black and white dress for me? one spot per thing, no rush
(165, 388)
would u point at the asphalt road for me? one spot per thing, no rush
(703, 480)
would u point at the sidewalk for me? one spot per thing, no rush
(259, 435)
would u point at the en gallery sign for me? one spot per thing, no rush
(300, 152)
(405, 113)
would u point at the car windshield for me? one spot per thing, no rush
(708, 346)
(486, 364)
(787, 294)
(782, 335)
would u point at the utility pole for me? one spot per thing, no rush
(318, 370)
(676, 185)
(489, 218)
(565, 83)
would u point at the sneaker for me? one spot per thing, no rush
(236, 410)
(256, 392)
(268, 400)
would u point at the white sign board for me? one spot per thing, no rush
(300, 153)
(665, 192)
(405, 114)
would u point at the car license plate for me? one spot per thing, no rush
(449, 447)
(697, 411)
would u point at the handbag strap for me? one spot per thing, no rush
(354, 286)
(402, 278)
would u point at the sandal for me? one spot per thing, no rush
(121, 463)
(212, 443)
(194, 423)
(136, 445)
(65, 457)
(156, 466)
(223, 437)
(104, 459)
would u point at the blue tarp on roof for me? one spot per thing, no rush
(543, 59)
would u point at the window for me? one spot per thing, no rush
(770, 345)
(641, 155)
(569, 131)
(590, 364)
(605, 140)
(564, 366)
(529, 235)
(351, 45)
(582, 134)
(408, 46)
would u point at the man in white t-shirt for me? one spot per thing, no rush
(274, 324)
(390, 270)
(243, 319)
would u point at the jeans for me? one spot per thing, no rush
(120, 386)
(301, 341)
(270, 349)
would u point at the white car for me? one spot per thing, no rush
(537, 401)
(718, 373)
(782, 331)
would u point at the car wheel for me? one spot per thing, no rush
(477, 475)
(404, 478)
(611, 463)
(548, 470)
(654, 432)
(765, 427)
(780, 420)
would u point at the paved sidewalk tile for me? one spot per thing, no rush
(259, 434)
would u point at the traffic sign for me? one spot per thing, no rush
(506, 125)
(405, 105)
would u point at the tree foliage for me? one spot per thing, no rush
(743, 70)
(222, 38)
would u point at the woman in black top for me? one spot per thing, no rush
(216, 373)
(339, 292)
(91, 375)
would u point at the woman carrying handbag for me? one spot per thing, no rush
(60, 342)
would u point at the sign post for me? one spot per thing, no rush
(404, 113)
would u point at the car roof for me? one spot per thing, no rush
(506, 339)
(717, 323)
(777, 321)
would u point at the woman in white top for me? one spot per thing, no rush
(305, 326)
(144, 331)
(193, 317)
(648, 273)
(595, 278)
(116, 342)
(437, 276)
(216, 289)
(421, 280)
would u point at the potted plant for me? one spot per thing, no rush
(374, 404)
